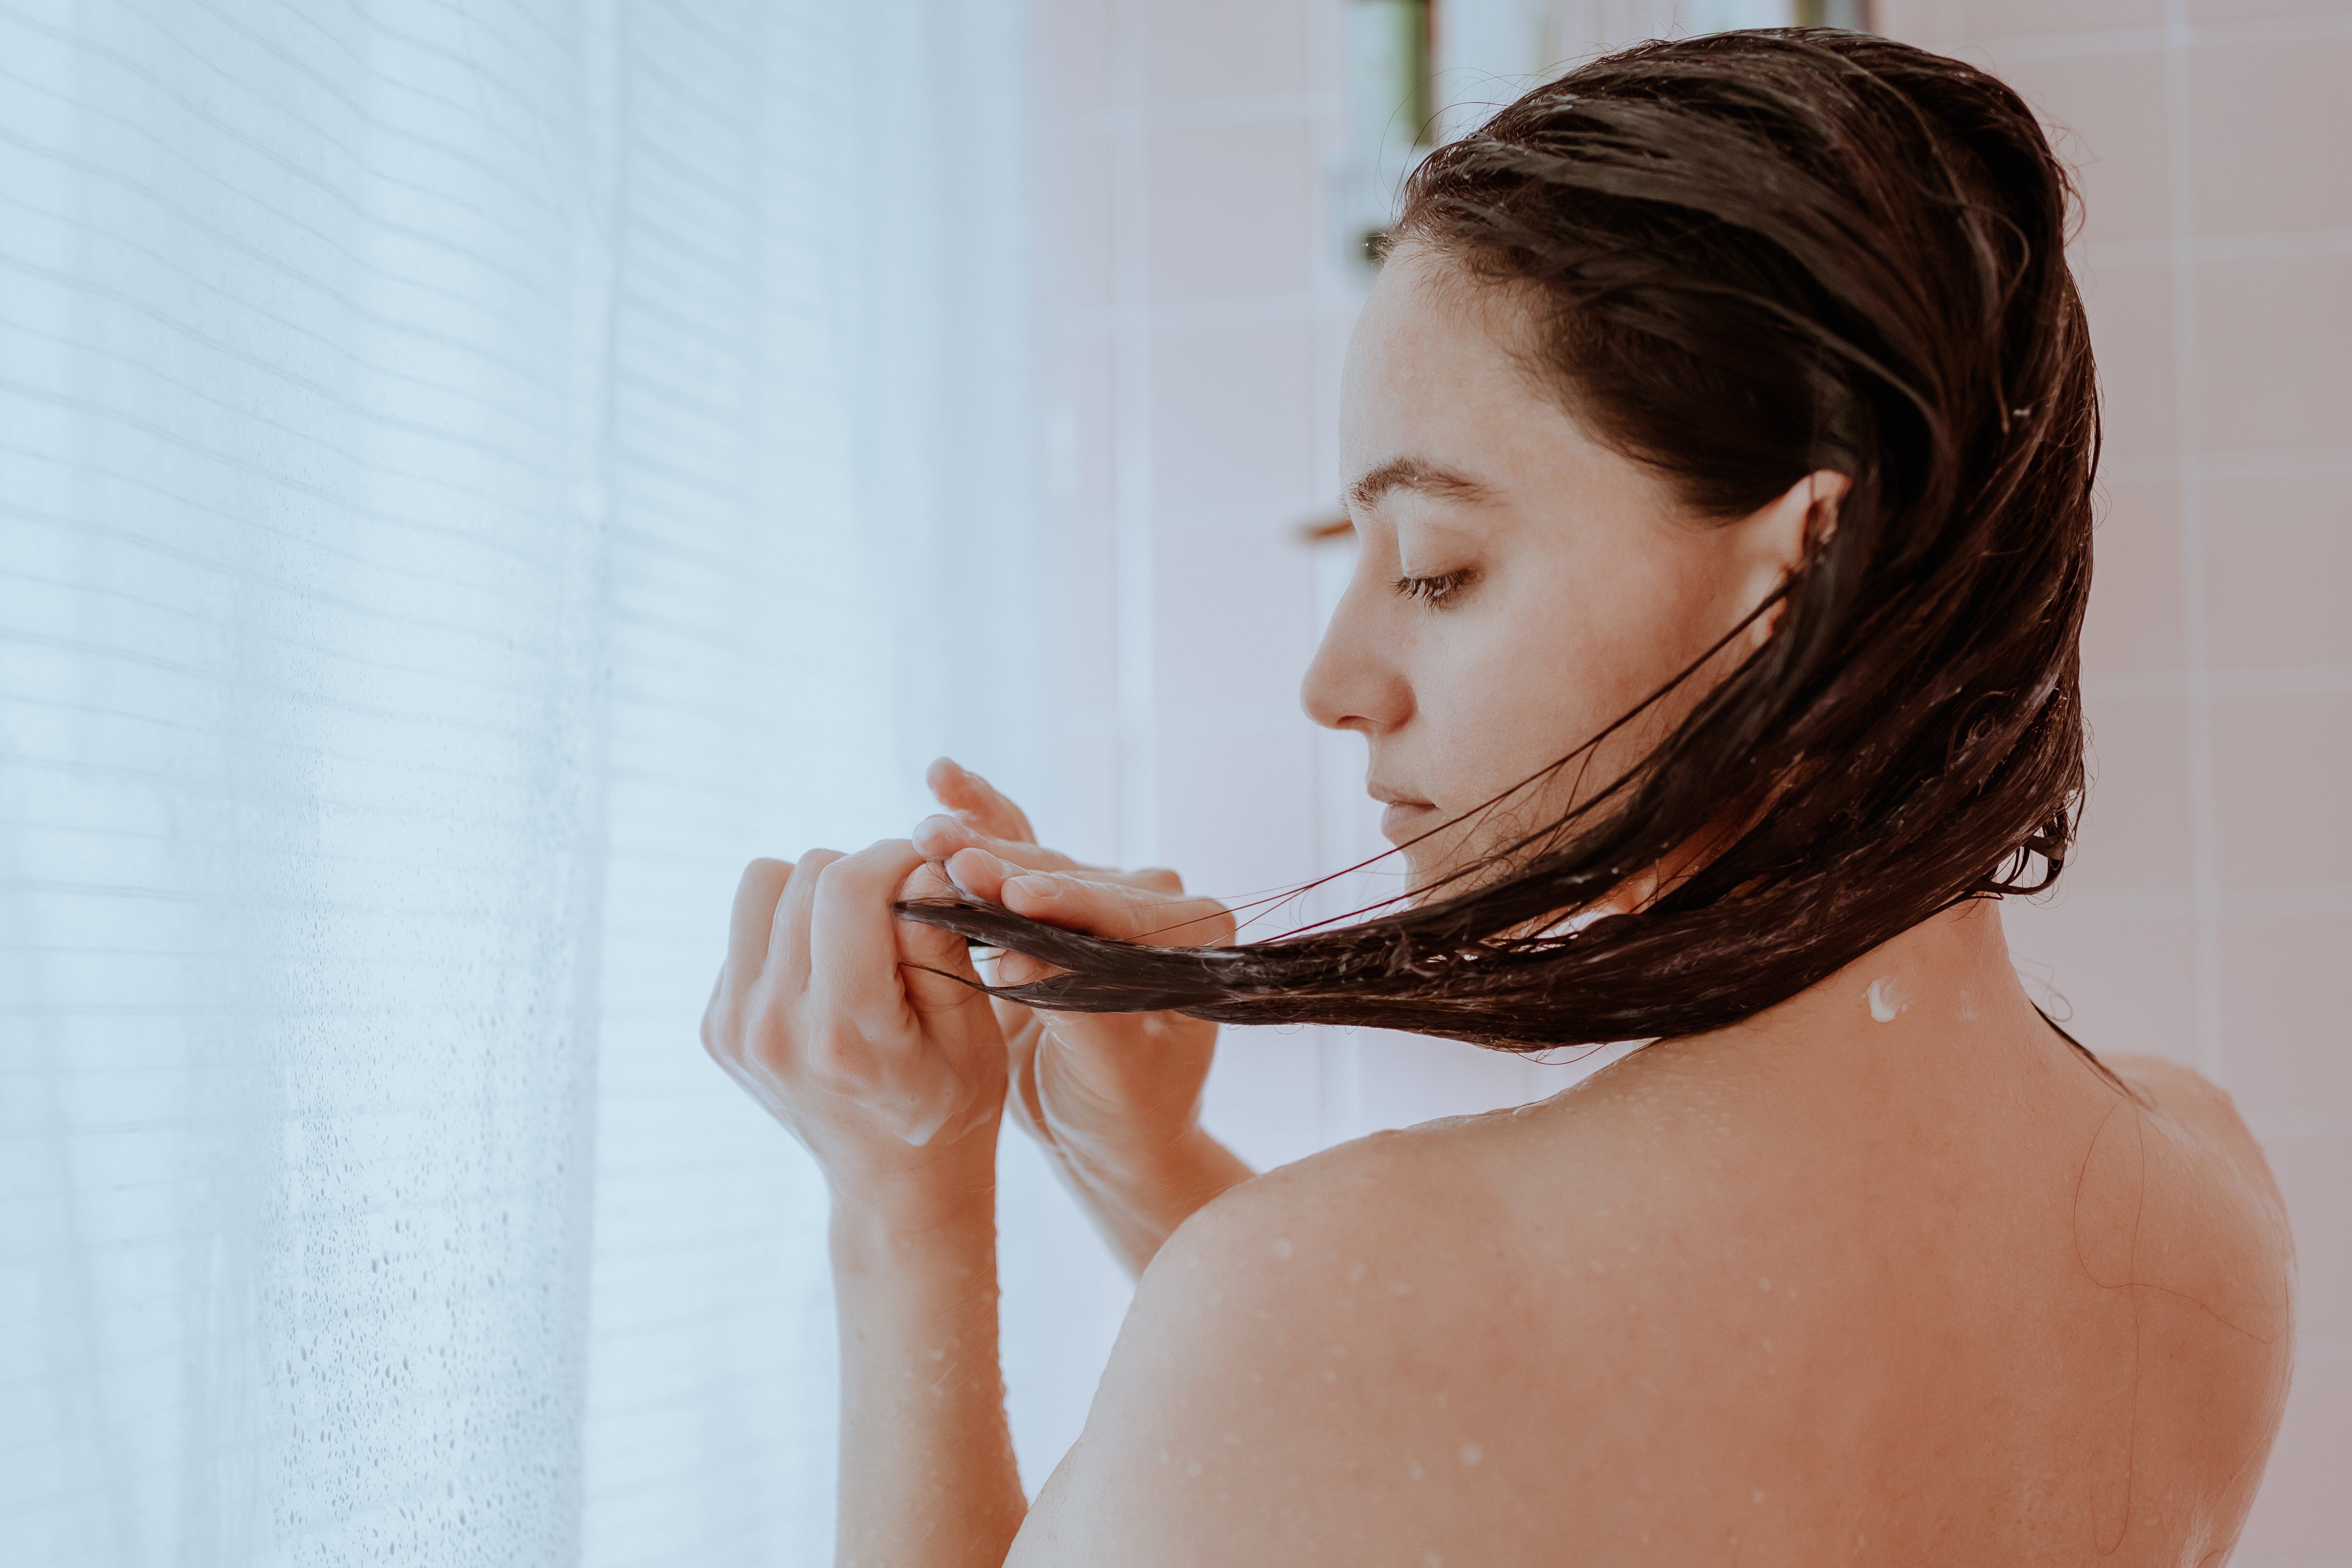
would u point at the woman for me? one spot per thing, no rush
(1721, 432)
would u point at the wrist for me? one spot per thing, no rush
(946, 1207)
(1159, 1180)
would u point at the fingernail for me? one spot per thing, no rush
(1036, 888)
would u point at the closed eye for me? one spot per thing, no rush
(1435, 591)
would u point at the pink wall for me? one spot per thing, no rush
(2210, 913)
(1197, 306)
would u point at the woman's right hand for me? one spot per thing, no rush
(1115, 1098)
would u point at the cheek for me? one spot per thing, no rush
(1513, 695)
(1523, 687)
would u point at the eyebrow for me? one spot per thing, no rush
(1412, 474)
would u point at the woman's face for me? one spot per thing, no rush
(1518, 586)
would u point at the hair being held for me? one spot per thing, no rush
(1749, 258)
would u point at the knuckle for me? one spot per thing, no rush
(766, 872)
(757, 1032)
(1161, 879)
(836, 1061)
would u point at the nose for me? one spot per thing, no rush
(1357, 681)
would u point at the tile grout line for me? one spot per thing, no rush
(2196, 631)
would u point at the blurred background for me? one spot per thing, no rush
(473, 476)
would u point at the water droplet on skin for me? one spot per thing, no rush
(1398, 1287)
(1432, 1559)
(1163, 1455)
(1339, 1350)
(1472, 1453)
(1413, 1471)
(1282, 1249)
(1765, 1285)
(1191, 1466)
(1885, 1001)
(1356, 1274)
(1760, 1494)
(1234, 1440)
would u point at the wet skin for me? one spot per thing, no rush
(1817, 1289)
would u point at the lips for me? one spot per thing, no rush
(1405, 817)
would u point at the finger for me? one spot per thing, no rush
(935, 963)
(855, 977)
(1020, 969)
(978, 802)
(940, 838)
(787, 967)
(977, 874)
(751, 922)
(1116, 910)
(854, 936)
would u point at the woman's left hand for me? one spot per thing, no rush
(844, 1020)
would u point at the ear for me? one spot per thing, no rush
(1773, 541)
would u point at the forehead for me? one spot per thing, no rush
(1426, 317)
(1440, 380)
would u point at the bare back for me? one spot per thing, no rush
(1891, 1291)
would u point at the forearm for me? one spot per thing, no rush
(928, 1477)
(1138, 1199)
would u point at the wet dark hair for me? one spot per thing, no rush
(1752, 256)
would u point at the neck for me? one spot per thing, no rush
(1947, 978)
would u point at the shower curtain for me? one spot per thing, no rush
(472, 472)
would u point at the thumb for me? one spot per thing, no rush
(1118, 910)
(934, 966)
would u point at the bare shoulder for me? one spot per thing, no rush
(2202, 1177)
(1652, 1314)
(2197, 1104)
(1297, 1364)
(1383, 1345)
(2204, 1204)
